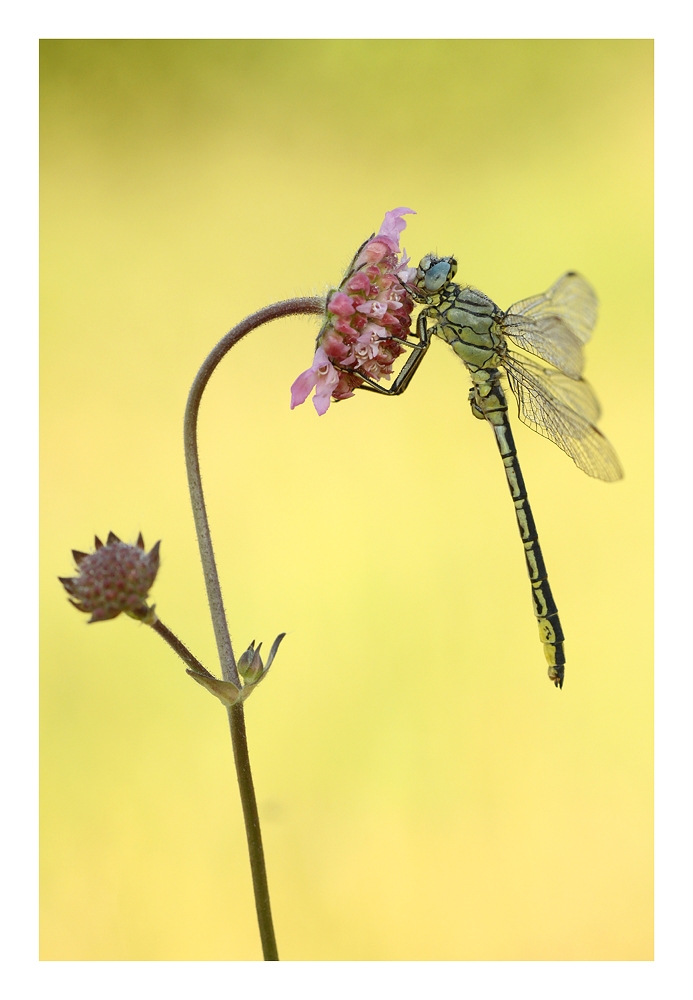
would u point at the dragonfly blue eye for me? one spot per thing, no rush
(436, 276)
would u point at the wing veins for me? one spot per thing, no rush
(561, 412)
(556, 324)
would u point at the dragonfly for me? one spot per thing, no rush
(552, 397)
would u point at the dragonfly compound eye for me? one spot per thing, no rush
(438, 274)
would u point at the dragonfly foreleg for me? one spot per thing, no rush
(409, 368)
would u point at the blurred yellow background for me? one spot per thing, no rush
(426, 793)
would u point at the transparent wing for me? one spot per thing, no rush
(555, 325)
(564, 410)
(577, 394)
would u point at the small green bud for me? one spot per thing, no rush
(246, 659)
(250, 665)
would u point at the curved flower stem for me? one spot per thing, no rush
(276, 311)
(290, 307)
(178, 647)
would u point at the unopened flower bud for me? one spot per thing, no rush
(250, 664)
(115, 577)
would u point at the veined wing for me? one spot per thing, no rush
(564, 410)
(556, 324)
(575, 393)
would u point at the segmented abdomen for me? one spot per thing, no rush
(550, 631)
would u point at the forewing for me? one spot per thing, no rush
(555, 325)
(564, 411)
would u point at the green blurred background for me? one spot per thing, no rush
(426, 793)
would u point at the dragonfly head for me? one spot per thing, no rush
(433, 273)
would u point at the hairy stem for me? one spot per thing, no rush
(178, 647)
(221, 631)
(229, 670)
(253, 833)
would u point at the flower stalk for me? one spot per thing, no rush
(365, 327)
(229, 667)
(290, 307)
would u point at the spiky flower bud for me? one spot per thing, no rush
(115, 577)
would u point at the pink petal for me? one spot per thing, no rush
(341, 305)
(343, 327)
(389, 320)
(321, 402)
(373, 308)
(393, 225)
(334, 346)
(301, 389)
(373, 330)
(327, 379)
(407, 274)
(344, 392)
(359, 282)
(321, 361)
(375, 250)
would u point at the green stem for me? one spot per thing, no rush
(253, 833)
(229, 670)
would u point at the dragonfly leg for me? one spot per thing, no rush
(409, 368)
(476, 409)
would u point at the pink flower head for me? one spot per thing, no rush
(366, 320)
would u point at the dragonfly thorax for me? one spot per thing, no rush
(467, 320)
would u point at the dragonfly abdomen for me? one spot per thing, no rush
(488, 401)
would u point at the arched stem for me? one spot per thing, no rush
(289, 307)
